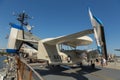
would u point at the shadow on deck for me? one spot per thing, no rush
(76, 73)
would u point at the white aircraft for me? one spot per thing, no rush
(56, 51)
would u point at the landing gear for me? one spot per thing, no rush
(93, 66)
(81, 64)
(53, 66)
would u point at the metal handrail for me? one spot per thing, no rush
(20, 71)
(38, 75)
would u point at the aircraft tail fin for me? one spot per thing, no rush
(99, 34)
(15, 33)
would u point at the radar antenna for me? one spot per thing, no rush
(23, 19)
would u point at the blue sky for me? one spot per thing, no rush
(54, 18)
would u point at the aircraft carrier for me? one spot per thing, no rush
(86, 72)
(38, 71)
(19, 68)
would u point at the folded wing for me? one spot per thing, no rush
(75, 39)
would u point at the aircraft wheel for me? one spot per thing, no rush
(81, 65)
(93, 66)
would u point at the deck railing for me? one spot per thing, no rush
(25, 71)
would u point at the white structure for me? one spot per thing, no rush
(55, 50)
(50, 49)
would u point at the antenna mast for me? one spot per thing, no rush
(22, 18)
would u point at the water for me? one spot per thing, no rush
(2, 63)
